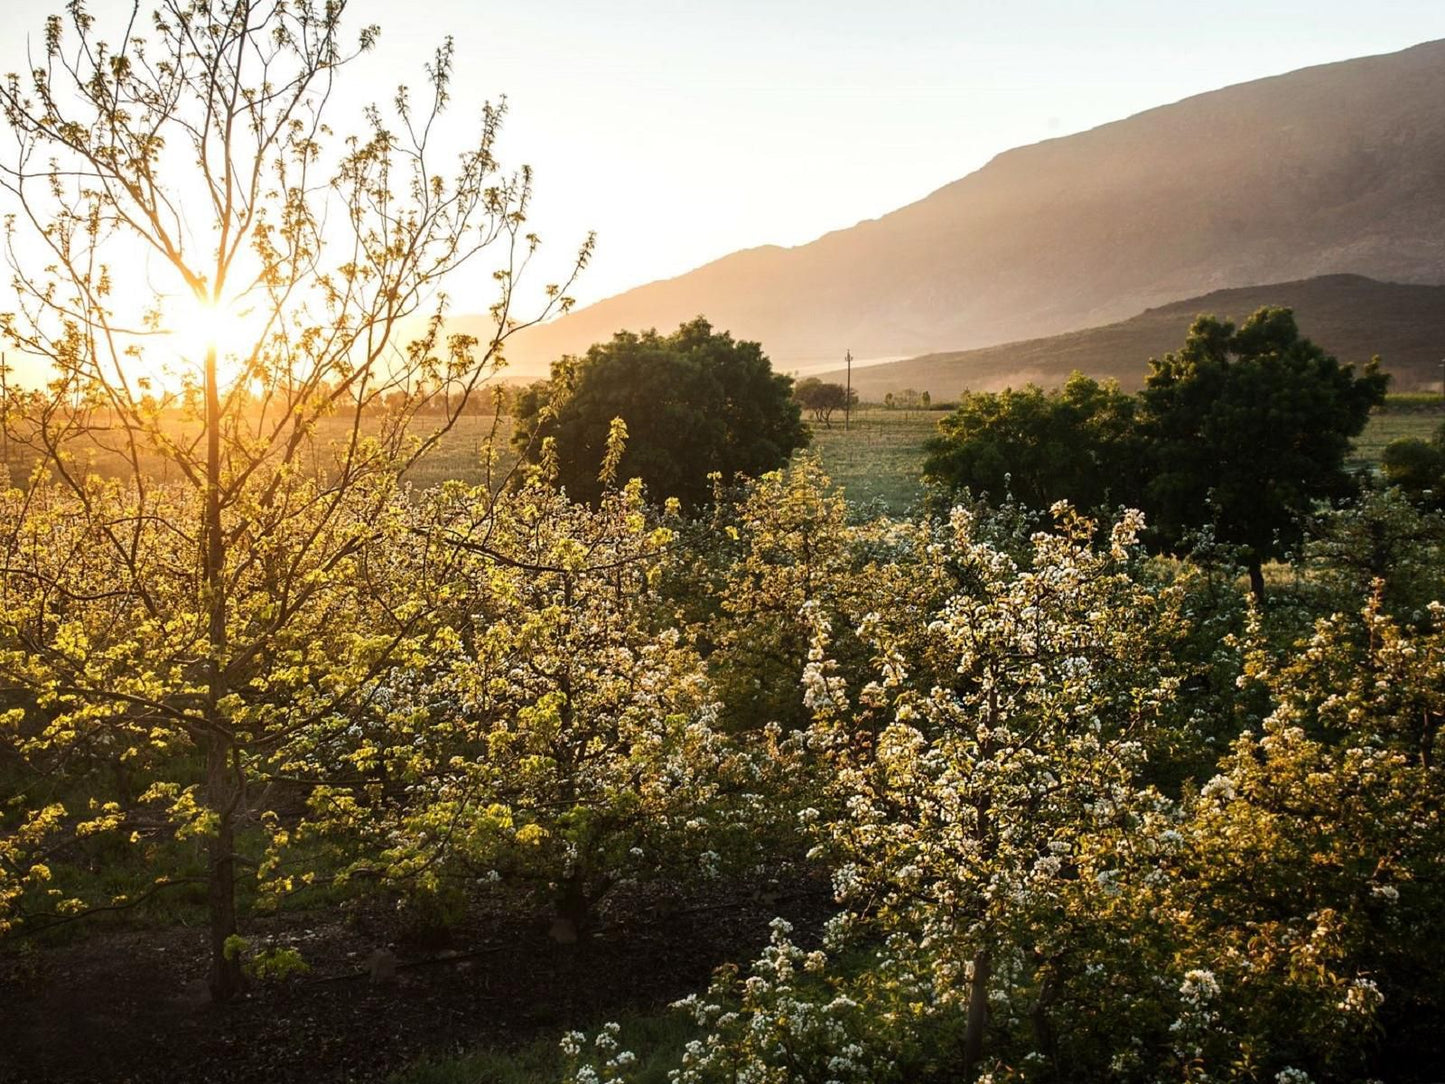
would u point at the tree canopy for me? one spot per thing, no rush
(1241, 431)
(694, 402)
(908, 399)
(1025, 894)
(821, 398)
(1071, 443)
(196, 622)
(1245, 428)
(1417, 467)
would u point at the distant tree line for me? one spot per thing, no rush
(908, 399)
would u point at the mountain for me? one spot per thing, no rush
(1352, 317)
(1335, 168)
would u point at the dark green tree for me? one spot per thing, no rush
(1417, 467)
(1074, 443)
(694, 402)
(1245, 429)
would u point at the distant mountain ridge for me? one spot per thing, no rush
(1329, 169)
(1352, 317)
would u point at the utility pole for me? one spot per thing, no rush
(1442, 378)
(848, 394)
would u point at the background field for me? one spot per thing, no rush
(1415, 416)
(878, 460)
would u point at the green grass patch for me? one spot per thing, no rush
(878, 459)
(1402, 416)
(460, 454)
(657, 1039)
(1423, 402)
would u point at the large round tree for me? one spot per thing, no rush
(694, 402)
(1245, 428)
(1075, 443)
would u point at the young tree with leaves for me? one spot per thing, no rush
(787, 541)
(225, 612)
(558, 731)
(822, 399)
(1417, 467)
(990, 763)
(1021, 904)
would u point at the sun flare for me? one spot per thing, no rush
(190, 330)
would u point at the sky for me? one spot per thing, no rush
(681, 131)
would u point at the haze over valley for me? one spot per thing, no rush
(1334, 169)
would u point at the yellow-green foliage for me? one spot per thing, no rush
(1086, 816)
(1019, 902)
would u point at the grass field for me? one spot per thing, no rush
(879, 459)
(459, 454)
(1415, 416)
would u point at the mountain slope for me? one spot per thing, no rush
(1352, 317)
(1337, 168)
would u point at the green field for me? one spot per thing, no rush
(879, 458)
(459, 453)
(1401, 416)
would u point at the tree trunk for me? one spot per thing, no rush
(1256, 579)
(977, 1013)
(573, 910)
(225, 980)
(220, 792)
(1045, 1040)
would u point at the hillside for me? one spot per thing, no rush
(1351, 316)
(1336, 168)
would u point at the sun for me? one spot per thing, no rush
(189, 329)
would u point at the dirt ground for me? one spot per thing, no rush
(130, 1005)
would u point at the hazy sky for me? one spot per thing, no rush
(682, 131)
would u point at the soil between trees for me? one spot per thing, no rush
(130, 1005)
